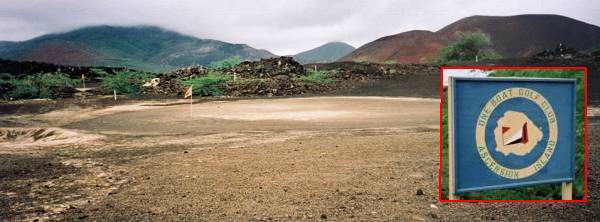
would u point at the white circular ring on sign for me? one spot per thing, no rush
(482, 120)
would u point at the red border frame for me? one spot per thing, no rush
(585, 125)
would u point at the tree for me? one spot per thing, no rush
(469, 46)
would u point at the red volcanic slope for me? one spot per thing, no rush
(512, 36)
(64, 52)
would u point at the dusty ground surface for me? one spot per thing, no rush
(296, 159)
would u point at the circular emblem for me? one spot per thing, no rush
(513, 134)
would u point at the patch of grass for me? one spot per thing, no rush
(320, 76)
(42, 85)
(125, 81)
(546, 191)
(208, 85)
(389, 62)
(226, 63)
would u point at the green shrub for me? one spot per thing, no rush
(124, 81)
(226, 63)
(207, 85)
(389, 62)
(467, 47)
(546, 191)
(43, 85)
(316, 77)
(5, 84)
(23, 89)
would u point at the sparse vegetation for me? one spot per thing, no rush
(226, 63)
(207, 85)
(124, 81)
(548, 191)
(316, 77)
(42, 85)
(467, 47)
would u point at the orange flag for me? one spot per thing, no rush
(188, 92)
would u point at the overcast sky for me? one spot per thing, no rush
(282, 27)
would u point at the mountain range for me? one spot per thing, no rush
(157, 49)
(511, 36)
(143, 47)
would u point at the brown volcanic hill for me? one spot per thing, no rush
(406, 47)
(512, 36)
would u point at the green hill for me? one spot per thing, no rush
(329, 52)
(142, 47)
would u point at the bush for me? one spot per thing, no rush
(124, 81)
(546, 191)
(43, 85)
(316, 77)
(226, 63)
(467, 47)
(207, 85)
(5, 84)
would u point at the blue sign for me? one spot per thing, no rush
(509, 132)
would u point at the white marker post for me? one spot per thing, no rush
(83, 80)
(567, 190)
(115, 94)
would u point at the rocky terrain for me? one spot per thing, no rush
(301, 159)
(20, 69)
(280, 77)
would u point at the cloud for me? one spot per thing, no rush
(283, 27)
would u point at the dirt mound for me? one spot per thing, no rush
(18, 137)
(278, 68)
(274, 76)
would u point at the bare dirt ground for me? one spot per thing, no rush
(294, 159)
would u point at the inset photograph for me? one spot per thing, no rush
(514, 134)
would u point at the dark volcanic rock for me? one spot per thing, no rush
(169, 83)
(267, 68)
(560, 52)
